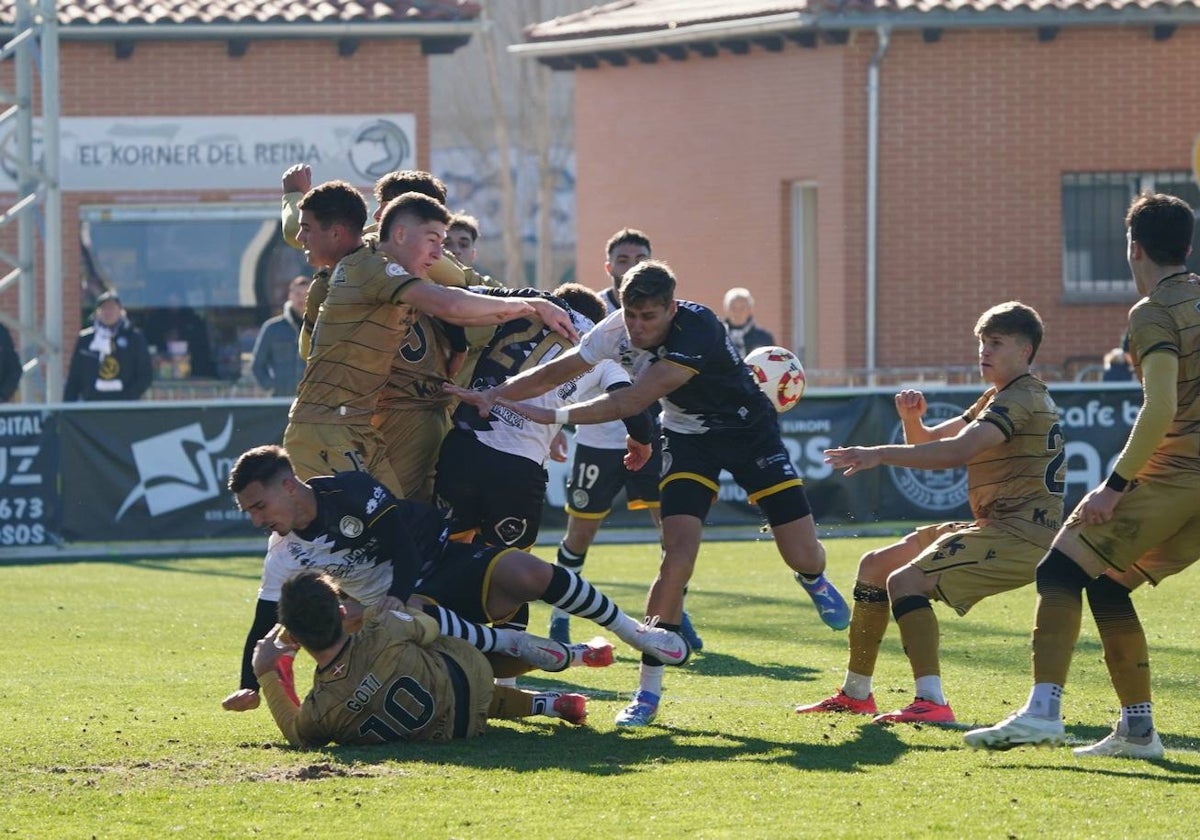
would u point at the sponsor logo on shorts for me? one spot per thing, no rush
(510, 529)
(351, 526)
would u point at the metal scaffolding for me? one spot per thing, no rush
(32, 162)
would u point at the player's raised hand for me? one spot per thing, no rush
(482, 400)
(853, 459)
(297, 178)
(269, 649)
(242, 700)
(910, 404)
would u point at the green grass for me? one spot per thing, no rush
(111, 724)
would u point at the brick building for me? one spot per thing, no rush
(176, 123)
(995, 146)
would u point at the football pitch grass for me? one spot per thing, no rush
(112, 726)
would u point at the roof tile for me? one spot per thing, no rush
(630, 16)
(84, 13)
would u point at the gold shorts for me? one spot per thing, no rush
(412, 439)
(1153, 534)
(480, 679)
(973, 561)
(326, 448)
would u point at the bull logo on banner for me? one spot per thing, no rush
(175, 468)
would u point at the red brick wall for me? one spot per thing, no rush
(977, 130)
(182, 78)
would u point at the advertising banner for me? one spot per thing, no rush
(29, 500)
(213, 152)
(159, 473)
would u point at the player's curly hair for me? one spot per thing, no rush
(336, 203)
(650, 281)
(1013, 318)
(583, 300)
(264, 464)
(396, 184)
(308, 608)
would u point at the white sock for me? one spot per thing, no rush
(624, 628)
(650, 678)
(857, 686)
(511, 682)
(930, 688)
(1045, 701)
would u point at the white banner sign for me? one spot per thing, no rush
(246, 152)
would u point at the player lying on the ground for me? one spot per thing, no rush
(396, 679)
(382, 550)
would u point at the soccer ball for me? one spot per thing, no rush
(779, 374)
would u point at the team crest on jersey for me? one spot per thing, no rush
(510, 529)
(579, 499)
(395, 270)
(350, 526)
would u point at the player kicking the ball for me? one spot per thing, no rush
(1011, 445)
(714, 418)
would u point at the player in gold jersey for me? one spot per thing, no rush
(1143, 522)
(1012, 446)
(395, 679)
(375, 292)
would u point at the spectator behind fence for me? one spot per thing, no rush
(111, 359)
(277, 365)
(10, 366)
(739, 322)
(1116, 366)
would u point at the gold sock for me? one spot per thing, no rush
(868, 623)
(920, 636)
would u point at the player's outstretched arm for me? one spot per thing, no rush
(653, 384)
(934, 455)
(459, 306)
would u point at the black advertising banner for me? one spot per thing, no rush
(29, 501)
(159, 472)
(1095, 422)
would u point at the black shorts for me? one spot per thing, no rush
(498, 494)
(597, 476)
(756, 458)
(461, 579)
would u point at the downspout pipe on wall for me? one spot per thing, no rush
(883, 34)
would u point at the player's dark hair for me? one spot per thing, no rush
(583, 300)
(417, 208)
(1162, 225)
(264, 464)
(1013, 318)
(650, 281)
(467, 222)
(308, 608)
(336, 203)
(396, 184)
(626, 236)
